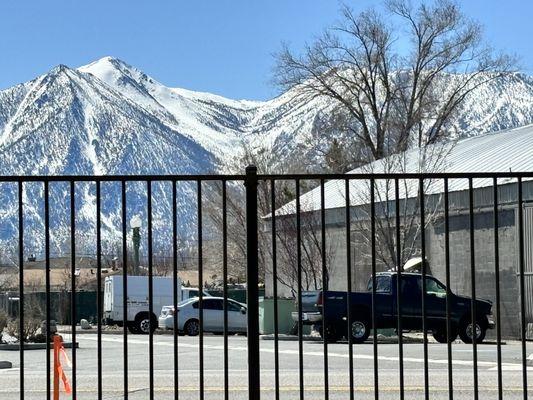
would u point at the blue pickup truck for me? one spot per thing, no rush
(330, 309)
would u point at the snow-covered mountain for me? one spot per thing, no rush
(111, 118)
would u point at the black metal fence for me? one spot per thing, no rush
(345, 320)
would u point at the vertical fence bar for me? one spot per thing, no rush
(21, 286)
(522, 286)
(449, 331)
(47, 283)
(175, 287)
(299, 293)
(399, 284)
(225, 283)
(124, 286)
(200, 290)
(424, 289)
(374, 281)
(275, 286)
(349, 284)
(73, 281)
(325, 278)
(252, 292)
(497, 277)
(473, 285)
(150, 291)
(99, 286)
(374, 304)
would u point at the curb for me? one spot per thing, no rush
(33, 346)
(93, 331)
(290, 338)
(307, 338)
(5, 365)
(381, 340)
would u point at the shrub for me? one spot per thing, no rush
(3, 321)
(31, 327)
(32, 322)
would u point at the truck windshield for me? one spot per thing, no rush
(434, 287)
(382, 284)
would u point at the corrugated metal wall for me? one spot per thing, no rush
(528, 258)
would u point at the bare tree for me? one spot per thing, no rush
(285, 192)
(236, 211)
(332, 148)
(428, 159)
(391, 99)
(312, 252)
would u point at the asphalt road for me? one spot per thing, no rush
(112, 358)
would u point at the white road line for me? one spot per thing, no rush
(511, 367)
(488, 364)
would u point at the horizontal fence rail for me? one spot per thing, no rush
(387, 285)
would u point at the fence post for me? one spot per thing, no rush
(252, 278)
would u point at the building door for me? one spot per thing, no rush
(528, 268)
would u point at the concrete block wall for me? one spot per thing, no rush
(460, 263)
(460, 269)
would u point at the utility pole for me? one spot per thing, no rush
(135, 224)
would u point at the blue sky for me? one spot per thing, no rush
(219, 46)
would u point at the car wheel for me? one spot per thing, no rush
(133, 328)
(143, 324)
(192, 327)
(466, 332)
(360, 330)
(441, 335)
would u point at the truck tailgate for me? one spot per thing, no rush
(310, 300)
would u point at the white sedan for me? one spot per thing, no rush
(213, 310)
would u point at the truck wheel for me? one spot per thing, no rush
(466, 332)
(360, 330)
(143, 324)
(192, 327)
(332, 334)
(441, 336)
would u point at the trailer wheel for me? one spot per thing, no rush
(144, 324)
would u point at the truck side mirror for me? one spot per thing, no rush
(243, 310)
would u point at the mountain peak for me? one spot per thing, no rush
(108, 68)
(61, 68)
(60, 72)
(112, 70)
(107, 60)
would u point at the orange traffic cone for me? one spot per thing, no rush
(59, 373)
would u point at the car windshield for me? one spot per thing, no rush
(235, 306)
(184, 302)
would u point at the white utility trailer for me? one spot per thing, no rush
(138, 318)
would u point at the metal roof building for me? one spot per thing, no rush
(504, 151)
